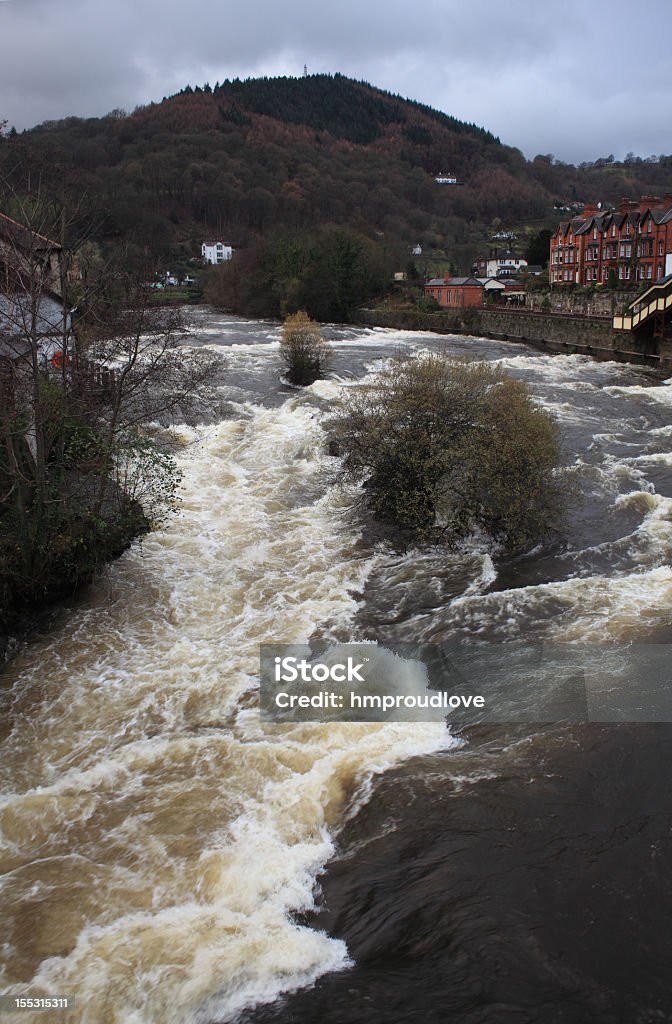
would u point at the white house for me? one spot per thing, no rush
(499, 264)
(216, 252)
(446, 179)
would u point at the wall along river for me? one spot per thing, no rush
(160, 848)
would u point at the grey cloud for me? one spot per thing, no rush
(543, 79)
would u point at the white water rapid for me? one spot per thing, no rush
(156, 838)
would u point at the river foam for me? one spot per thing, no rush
(157, 841)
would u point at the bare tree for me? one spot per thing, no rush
(87, 365)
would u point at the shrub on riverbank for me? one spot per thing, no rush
(444, 448)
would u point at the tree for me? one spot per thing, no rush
(443, 448)
(81, 473)
(302, 349)
(538, 249)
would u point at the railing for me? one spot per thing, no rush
(656, 299)
(526, 311)
(92, 378)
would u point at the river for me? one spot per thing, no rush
(161, 848)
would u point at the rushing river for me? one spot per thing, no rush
(161, 848)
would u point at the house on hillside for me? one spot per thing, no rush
(216, 252)
(499, 263)
(631, 244)
(455, 292)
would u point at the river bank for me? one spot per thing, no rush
(79, 549)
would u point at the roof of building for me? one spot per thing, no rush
(659, 210)
(11, 227)
(457, 282)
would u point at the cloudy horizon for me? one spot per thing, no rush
(541, 81)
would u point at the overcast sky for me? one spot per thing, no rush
(580, 79)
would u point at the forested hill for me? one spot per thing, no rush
(337, 105)
(241, 160)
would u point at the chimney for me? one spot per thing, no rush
(590, 209)
(627, 205)
(646, 201)
(446, 275)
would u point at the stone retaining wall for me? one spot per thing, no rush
(563, 332)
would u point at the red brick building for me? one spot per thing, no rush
(634, 241)
(455, 292)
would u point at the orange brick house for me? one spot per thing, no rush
(455, 292)
(634, 241)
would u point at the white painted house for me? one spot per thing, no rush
(216, 252)
(499, 264)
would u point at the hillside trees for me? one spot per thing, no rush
(327, 274)
(443, 448)
(289, 154)
(538, 248)
(248, 160)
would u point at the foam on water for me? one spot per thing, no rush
(156, 839)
